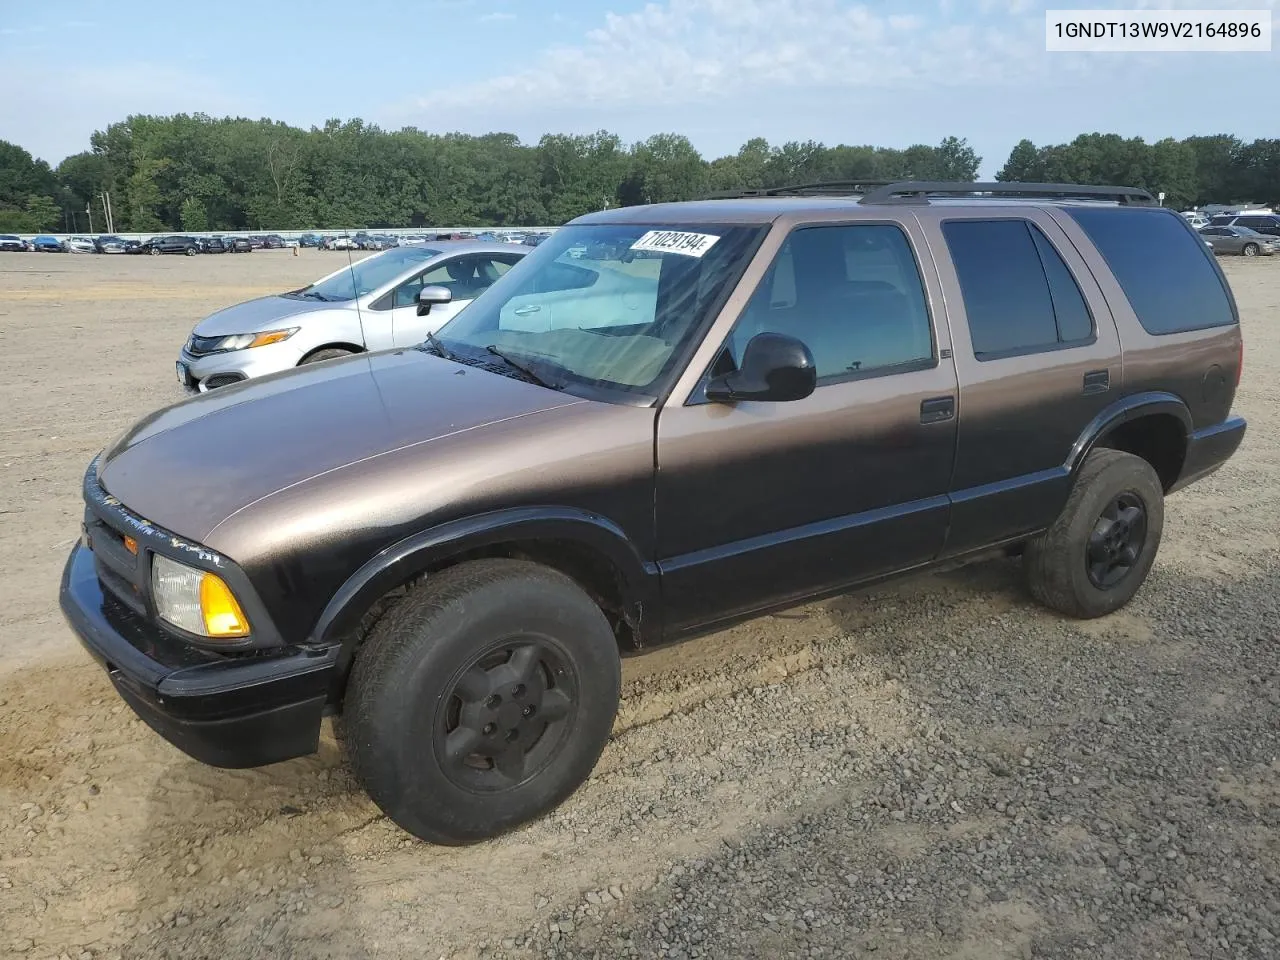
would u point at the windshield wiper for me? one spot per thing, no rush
(440, 348)
(312, 295)
(524, 368)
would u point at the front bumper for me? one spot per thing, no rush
(225, 711)
(222, 369)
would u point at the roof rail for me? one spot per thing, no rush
(830, 188)
(918, 191)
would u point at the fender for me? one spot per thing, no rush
(413, 554)
(1126, 408)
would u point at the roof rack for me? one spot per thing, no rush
(829, 188)
(919, 191)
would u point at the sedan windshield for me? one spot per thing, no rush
(366, 275)
(609, 307)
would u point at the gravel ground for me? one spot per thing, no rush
(935, 769)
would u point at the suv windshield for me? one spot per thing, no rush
(610, 306)
(366, 275)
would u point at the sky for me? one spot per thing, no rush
(883, 72)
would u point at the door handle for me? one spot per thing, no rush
(1097, 381)
(525, 311)
(937, 409)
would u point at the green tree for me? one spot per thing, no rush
(43, 213)
(195, 219)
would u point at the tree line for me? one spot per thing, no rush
(196, 173)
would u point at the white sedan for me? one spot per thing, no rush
(78, 245)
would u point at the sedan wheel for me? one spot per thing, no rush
(1250, 250)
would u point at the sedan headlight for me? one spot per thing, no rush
(197, 601)
(243, 341)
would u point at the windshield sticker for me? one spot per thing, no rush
(675, 241)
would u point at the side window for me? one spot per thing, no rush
(853, 294)
(1019, 295)
(1165, 270)
(1075, 322)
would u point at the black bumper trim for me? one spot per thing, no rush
(1208, 449)
(233, 713)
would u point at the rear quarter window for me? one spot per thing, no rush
(1163, 267)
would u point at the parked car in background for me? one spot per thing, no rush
(1197, 220)
(1266, 223)
(237, 244)
(1240, 240)
(309, 240)
(371, 305)
(46, 244)
(272, 242)
(212, 245)
(109, 243)
(172, 244)
(12, 244)
(256, 242)
(78, 245)
(342, 243)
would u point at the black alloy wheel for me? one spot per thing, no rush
(506, 715)
(1117, 540)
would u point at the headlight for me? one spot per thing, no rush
(243, 341)
(197, 601)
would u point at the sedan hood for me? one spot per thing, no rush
(264, 313)
(191, 465)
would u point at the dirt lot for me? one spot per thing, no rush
(937, 769)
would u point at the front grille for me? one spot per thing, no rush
(202, 346)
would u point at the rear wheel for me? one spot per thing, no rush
(1100, 549)
(482, 701)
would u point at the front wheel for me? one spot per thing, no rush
(482, 700)
(155, 251)
(1250, 250)
(333, 353)
(1100, 549)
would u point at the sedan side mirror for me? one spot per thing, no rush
(430, 295)
(774, 367)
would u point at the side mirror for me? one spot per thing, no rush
(774, 367)
(430, 295)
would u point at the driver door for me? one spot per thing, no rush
(466, 277)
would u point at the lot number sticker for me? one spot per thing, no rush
(674, 241)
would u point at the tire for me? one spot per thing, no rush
(192, 251)
(1063, 563)
(407, 699)
(1250, 250)
(333, 353)
(155, 251)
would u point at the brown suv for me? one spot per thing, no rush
(666, 418)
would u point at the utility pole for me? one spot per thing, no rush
(88, 212)
(106, 211)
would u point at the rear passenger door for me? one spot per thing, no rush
(760, 503)
(1038, 357)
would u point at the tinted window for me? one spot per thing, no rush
(1006, 291)
(1075, 322)
(1166, 272)
(852, 294)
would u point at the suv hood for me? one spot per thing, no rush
(189, 466)
(264, 313)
